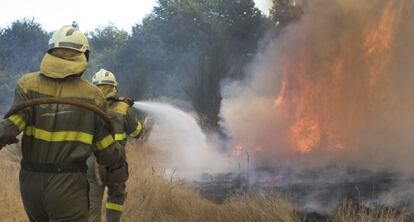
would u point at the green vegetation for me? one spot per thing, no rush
(22, 45)
(182, 50)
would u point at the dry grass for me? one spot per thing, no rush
(349, 212)
(11, 205)
(152, 197)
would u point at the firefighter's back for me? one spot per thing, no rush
(58, 133)
(57, 140)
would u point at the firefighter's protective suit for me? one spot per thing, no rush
(57, 138)
(125, 124)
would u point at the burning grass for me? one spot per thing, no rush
(333, 88)
(154, 197)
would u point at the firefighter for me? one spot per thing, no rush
(58, 138)
(125, 124)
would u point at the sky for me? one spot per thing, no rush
(89, 14)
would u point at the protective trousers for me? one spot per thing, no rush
(54, 197)
(99, 178)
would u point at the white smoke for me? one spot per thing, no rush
(180, 144)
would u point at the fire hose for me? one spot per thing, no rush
(66, 101)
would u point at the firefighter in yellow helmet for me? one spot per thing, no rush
(125, 124)
(58, 138)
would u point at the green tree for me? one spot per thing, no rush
(185, 48)
(105, 43)
(22, 46)
(284, 12)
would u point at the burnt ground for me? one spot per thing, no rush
(315, 192)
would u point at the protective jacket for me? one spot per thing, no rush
(122, 115)
(61, 134)
(57, 140)
(123, 118)
(125, 124)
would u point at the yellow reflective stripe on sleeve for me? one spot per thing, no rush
(120, 136)
(114, 206)
(17, 120)
(61, 136)
(137, 131)
(105, 142)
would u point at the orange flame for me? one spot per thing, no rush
(314, 105)
(306, 134)
(237, 151)
(379, 40)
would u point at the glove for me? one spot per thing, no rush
(7, 140)
(8, 133)
(130, 101)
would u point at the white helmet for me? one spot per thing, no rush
(69, 37)
(104, 77)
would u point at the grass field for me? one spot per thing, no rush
(153, 196)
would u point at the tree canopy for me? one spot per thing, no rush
(182, 50)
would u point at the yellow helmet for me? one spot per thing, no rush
(104, 77)
(69, 37)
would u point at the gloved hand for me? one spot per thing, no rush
(129, 101)
(7, 140)
(8, 133)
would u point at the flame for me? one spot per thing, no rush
(280, 99)
(335, 86)
(237, 151)
(306, 134)
(378, 41)
(315, 108)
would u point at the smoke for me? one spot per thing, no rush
(179, 143)
(334, 87)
